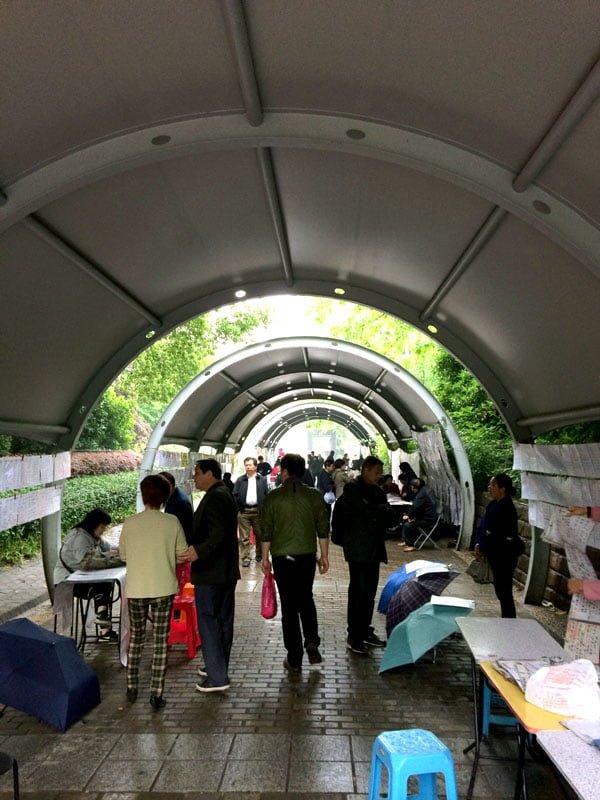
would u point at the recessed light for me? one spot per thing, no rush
(331, 370)
(239, 293)
(159, 140)
(280, 363)
(150, 334)
(355, 133)
(338, 290)
(542, 207)
(281, 371)
(432, 329)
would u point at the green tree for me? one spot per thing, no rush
(160, 372)
(110, 425)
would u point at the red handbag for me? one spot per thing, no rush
(268, 600)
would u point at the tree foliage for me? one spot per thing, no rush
(159, 373)
(110, 425)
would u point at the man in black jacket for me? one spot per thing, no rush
(180, 506)
(249, 492)
(366, 516)
(215, 572)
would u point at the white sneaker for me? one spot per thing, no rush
(202, 672)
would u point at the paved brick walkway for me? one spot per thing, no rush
(270, 736)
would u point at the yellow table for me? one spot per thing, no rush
(530, 720)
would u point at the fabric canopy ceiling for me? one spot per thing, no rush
(435, 160)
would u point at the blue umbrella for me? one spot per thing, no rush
(43, 674)
(400, 576)
(422, 630)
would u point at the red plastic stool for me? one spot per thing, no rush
(184, 624)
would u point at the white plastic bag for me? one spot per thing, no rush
(567, 689)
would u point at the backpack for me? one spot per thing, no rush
(338, 522)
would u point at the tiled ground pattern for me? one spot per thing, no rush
(270, 736)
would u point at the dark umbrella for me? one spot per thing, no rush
(414, 594)
(43, 674)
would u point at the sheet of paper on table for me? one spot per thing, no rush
(519, 671)
(587, 730)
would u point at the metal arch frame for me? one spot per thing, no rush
(392, 144)
(367, 399)
(408, 380)
(338, 405)
(277, 429)
(378, 418)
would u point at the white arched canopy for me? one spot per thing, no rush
(230, 398)
(434, 160)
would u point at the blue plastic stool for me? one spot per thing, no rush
(491, 700)
(411, 752)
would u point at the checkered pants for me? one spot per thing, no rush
(160, 609)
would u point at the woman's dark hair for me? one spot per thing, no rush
(93, 518)
(155, 490)
(338, 463)
(407, 471)
(504, 481)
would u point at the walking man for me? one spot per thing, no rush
(365, 515)
(249, 492)
(293, 517)
(179, 504)
(215, 572)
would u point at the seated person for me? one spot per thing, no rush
(388, 485)
(406, 476)
(84, 548)
(422, 514)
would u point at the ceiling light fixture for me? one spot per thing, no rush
(239, 293)
(339, 291)
(160, 140)
(432, 329)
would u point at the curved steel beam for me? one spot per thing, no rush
(339, 405)
(408, 380)
(423, 153)
(507, 405)
(277, 430)
(361, 398)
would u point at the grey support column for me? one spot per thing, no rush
(539, 558)
(51, 541)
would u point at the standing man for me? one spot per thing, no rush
(215, 572)
(365, 514)
(180, 506)
(249, 492)
(325, 479)
(292, 519)
(263, 468)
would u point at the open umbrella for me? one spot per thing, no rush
(414, 593)
(423, 629)
(43, 674)
(400, 576)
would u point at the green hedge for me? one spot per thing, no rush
(114, 493)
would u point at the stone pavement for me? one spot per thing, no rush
(270, 736)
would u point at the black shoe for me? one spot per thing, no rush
(245, 562)
(290, 668)
(108, 636)
(132, 695)
(312, 651)
(258, 559)
(373, 640)
(208, 686)
(157, 702)
(357, 647)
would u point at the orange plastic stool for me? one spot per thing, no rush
(184, 626)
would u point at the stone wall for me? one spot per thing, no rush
(558, 572)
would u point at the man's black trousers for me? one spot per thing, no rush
(294, 576)
(364, 577)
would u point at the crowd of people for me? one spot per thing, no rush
(287, 531)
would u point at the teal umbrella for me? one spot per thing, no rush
(423, 629)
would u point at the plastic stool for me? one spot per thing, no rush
(411, 752)
(490, 701)
(8, 762)
(184, 627)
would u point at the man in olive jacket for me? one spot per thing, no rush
(215, 572)
(293, 518)
(366, 517)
